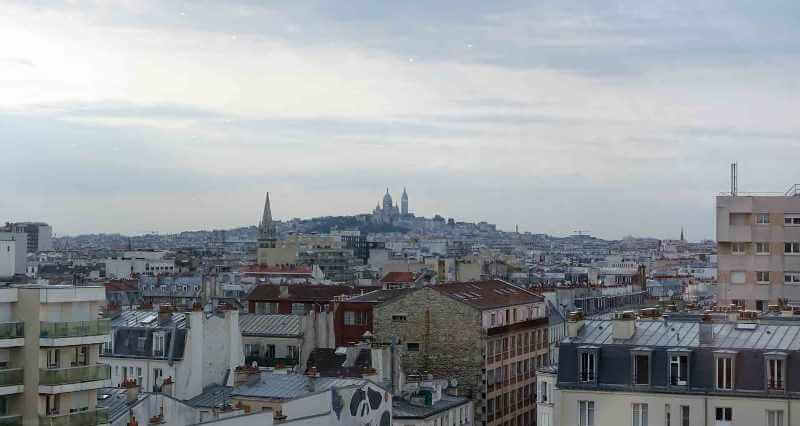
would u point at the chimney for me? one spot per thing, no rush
(574, 323)
(284, 292)
(706, 329)
(624, 325)
(164, 313)
(132, 389)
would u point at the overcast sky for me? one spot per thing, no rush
(616, 117)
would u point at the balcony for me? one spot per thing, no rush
(11, 420)
(83, 418)
(75, 332)
(12, 334)
(74, 379)
(11, 381)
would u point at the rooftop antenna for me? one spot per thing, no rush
(734, 179)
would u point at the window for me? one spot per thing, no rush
(508, 316)
(493, 318)
(251, 349)
(639, 414)
(490, 407)
(298, 308)
(515, 315)
(791, 248)
(774, 417)
(543, 392)
(762, 276)
(355, 318)
(725, 372)
(738, 277)
(775, 373)
(641, 368)
(762, 219)
(107, 347)
(724, 416)
(399, 318)
(412, 347)
(738, 248)
(587, 367)
(684, 415)
(791, 220)
(762, 248)
(791, 277)
(158, 344)
(585, 413)
(490, 351)
(678, 370)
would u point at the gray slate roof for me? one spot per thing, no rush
(271, 325)
(784, 337)
(148, 319)
(290, 386)
(212, 397)
(115, 400)
(402, 409)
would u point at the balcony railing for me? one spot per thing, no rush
(54, 330)
(12, 330)
(11, 420)
(11, 377)
(63, 376)
(83, 418)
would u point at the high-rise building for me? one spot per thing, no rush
(40, 234)
(758, 240)
(50, 343)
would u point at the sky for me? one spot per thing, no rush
(619, 118)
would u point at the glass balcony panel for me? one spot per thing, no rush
(83, 418)
(12, 330)
(53, 330)
(63, 376)
(11, 377)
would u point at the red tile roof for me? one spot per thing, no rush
(488, 294)
(398, 277)
(257, 269)
(122, 285)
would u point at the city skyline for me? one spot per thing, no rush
(554, 116)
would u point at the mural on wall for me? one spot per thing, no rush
(362, 406)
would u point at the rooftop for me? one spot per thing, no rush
(726, 335)
(488, 294)
(398, 277)
(290, 386)
(402, 409)
(302, 292)
(380, 296)
(271, 325)
(212, 397)
(148, 319)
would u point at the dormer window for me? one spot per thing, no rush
(641, 366)
(725, 362)
(587, 364)
(776, 371)
(678, 367)
(158, 344)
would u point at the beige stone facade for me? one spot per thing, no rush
(446, 337)
(757, 238)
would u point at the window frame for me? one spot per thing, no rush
(730, 357)
(793, 248)
(643, 413)
(795, 277)
(724, 411)
(777, 417)
(758, 216)
(741, 245)
(737, 282)
(793, 218)
(585, 407)
(761, 275)
(686, 415)
(762, 245)
(639, 352)
(591, 353)
(679, 352)
(769, 358)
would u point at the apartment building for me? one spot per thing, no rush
(39, 234)
(679, 373)
(194, 350)
(758, 239)
(12, 254)
(488, 335)
(50, 342)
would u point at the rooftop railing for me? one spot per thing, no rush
(61, 329)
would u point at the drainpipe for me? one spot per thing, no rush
(705, 410)
(788, 411)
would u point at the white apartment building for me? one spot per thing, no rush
(13, 251)
(195, 349)
(139, 262)
(50, 341)
(758, 240)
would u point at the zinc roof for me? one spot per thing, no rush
(289, 386)
(148, 319)
(727, 335)
(271, 325)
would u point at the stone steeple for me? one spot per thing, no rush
(404, 202)
(266, 229)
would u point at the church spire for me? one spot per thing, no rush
(266, 229)
(682, 239)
